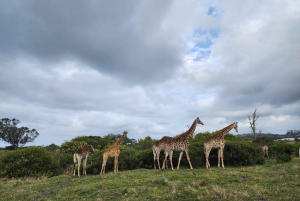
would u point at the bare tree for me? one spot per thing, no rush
(252, 118)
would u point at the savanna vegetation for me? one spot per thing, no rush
(45, 173)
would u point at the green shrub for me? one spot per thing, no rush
(65, 159)
(241, 153)
(282, 158)
(281, 148)
(32, 161)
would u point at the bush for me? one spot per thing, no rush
(241, 153)
(281, 148)
(32, 161)
(282, 158)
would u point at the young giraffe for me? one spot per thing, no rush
(218, 141)
(82, 154)
(263, 146)
(180, 143)
(159, 146)
(113, 151)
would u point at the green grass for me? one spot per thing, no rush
(271, 181)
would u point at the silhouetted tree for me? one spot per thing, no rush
(17, 137)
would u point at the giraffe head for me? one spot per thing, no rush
(90, 148)
(199, 121)
(235, 126)
(125, 133)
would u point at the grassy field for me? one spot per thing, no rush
(271, 181)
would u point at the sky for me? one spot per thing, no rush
(91, 68)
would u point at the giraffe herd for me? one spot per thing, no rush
(168, 145)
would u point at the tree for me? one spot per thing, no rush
(252, 118)
(17, 137)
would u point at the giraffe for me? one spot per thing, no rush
(218, 141)
(263, 146)
(158, 146)
(82, 154)
(180, 143)
(113, 151)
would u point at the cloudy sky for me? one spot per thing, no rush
(72, 68)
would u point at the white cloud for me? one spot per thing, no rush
(149, 68)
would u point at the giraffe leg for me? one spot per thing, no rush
(179, 159)
(267, 152)
(206, 158)
(75, 162)
(103, 166)
(222, 151)
(78, 166)
(165, 160)
(170, 158)
(154, 158)
(115, 163)
(206, 152)
(188, 158)
(84, 165)
(157, 159)
(219, 157)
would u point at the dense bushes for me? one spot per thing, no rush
(241, 153)
(32, 161)
(282, 151)
(36, 161)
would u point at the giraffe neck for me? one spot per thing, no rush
(225, 130)
(120, 141)
(189, 133)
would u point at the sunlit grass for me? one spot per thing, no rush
(271, 181)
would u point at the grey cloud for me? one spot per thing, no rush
(124, 39)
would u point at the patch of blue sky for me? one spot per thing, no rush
(201, 55)
(212, 11)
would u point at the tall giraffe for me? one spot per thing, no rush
(113, 151)
(159, 146)
(263, 146)
(180, 143)
(82, 154)
(218, 141)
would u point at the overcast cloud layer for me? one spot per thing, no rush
(71, 68)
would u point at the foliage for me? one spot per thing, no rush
(146, 143)
(72, 146)
(283, 158)
(241, 153)
(236, 152)
(32, 161)
(17, 137)
(281, 148)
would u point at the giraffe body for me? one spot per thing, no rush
(159, 146)
(263, 146)
(82, 155)
(181, 144)
(217, 141)
(113, 151)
